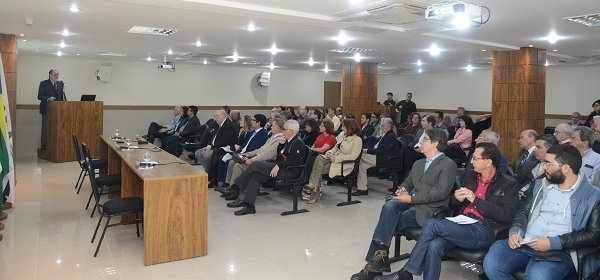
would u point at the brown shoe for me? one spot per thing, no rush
(3, 217)
(237, 203)
(7, 205)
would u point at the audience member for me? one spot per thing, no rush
(235, 117)
(447, 121)
(560, 217)
(183, 118)
(525, 160)
(375, 122)
(459, 146)
(486, 136)
(303, 116)
(562, 133)
(331, 116)
(390, 100)
(316, 115)
(155, 129)
(583, 139)
(339, 134)
(414, 125)
(542, 144)
(590, 119)
(312, 131)
(365, 125)
(225, 136)
(427, 122)
(596, 146)
(286, 115)
(291, 152)
(426, 189)
(325, 141)
(459, 112)
(189, 130)
(377, 155)
(439, 115)
(477, 199)
(227, 110)
(339, 113)
(293, 112)
(348, 149)
(266, 152)
(406, 107)
(575, 120)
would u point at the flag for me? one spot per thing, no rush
(7, 173)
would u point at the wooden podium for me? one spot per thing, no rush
(84, 118)
(391, 110)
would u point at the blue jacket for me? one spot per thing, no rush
(257, 141)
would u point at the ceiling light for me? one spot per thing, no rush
(342, 39)
(59, 53)
(383, 63)
(326, 69)
(74, 9)
(311, 62)
(62, 45)
(483, 50)
(235, 57)
(170, 52)
(251, 27)
(469, 68)
(272, 66)
(552, 38)
(357, 57)
(66, 32)
(24, 40)
(461, 21)
(78, 54)
(419, 62)
(149, 59)
(434, 50)
(546, 63)
(22, 35)
(555, 50)
(205, 61)
(198, 43)
(273, 49)
(420, 70)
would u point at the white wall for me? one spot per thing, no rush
(567, 89)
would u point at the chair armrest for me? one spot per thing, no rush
(501, 232)
(289, 168)
(582, 253)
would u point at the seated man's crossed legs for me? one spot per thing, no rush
(366, 161)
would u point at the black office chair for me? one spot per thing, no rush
(112, 208)
(98, 163)
(297, 182)
(349, 179)
(102, 183)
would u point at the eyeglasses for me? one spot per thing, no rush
(550, 163)
(558, 132)
(426, 139)
(478, 158)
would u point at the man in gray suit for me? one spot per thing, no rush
(426, 189)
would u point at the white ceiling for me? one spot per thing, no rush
(300, 29)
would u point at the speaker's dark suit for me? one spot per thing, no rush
(47, 90)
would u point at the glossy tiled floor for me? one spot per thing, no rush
(48, 235)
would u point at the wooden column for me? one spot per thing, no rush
(359, 83)
(8, 50)
(518, 95)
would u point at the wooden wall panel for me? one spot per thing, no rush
(360, 88)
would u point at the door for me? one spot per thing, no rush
(332, 95)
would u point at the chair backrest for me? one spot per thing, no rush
(91, 173)
(406, 139)
(308, 161)
(370, 142)
(77, 151)
(356, 163)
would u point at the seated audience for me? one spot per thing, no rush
(583, 139)
(339, 134)
(542, 144)
(154, 130)
(426, 189)
(339, 113)
(525, 160)
(596, 146)
(183, 118)
(291, 152)
(458, 148)
(375, 122)
(325, 141)
(427, 123)
(312, 131)
(447, 121)
(266, 152)
(414, 124)
(331, 116)
(575, 120)
(561, 216)
(365, 125)
(378, 155)
(316, 115)
(189, 131)
(488, 196)
(256, 137)
(562, 133)
(303, 112)
(487, 136)
(590, 119)
(439, 116)
(459, 112)
(390, 100)
(481, 123)
(349, 148)
(225, 136)
(293, 112)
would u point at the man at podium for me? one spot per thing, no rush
(50, 90)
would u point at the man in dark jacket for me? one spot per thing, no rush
(377, 156)
(366, 129)
(49, 90)
(562, 215)
(291, 152)
(489, 197)
(225, 136)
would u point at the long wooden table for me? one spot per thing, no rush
(175, 201)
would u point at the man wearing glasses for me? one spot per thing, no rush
(562, 133)
(583, 139)
(561, 216)
(575, 120)
(426, 189)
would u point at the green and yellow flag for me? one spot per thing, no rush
(7, 174)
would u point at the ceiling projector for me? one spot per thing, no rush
(448, 10)
(166, 65)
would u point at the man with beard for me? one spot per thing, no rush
(559, 217)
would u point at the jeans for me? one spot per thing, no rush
(502, 261)
(439, 236)
(222, 169)
(394, 217)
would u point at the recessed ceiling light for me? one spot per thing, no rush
(62, 44)
(552, 38)
(420, 70)
(22, 35)
(469, 68)
(59, 53)
(74, 9)
(66, 32)
(149, 59)
(326, 69)
(24, 40)
(383, 63)
(484, 50)
(235, 57)
(419, 62)
(273, 49)
(198, 43)
(205, 61)
(357, 57)
(251, 27)
(531, 46)
(78, 54)
(272, 66)
(434, 50)
(170, 52)
(546, 63)
(311, 62)
(342, 39)
(555, 50)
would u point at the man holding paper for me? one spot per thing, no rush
(487, 201)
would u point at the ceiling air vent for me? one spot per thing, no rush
(482, 64)
(112, 54)
(587, 20)
(351, 50)
(151, 30)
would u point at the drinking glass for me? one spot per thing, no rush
(147, 156)
(128, 142)
(117, 132)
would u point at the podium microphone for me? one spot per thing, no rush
(64, 96)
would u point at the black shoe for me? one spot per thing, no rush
(212, 184)
(235, 204)
(380, 262)
(398, 275)
(232, 197)
(365, 274)
(224, 187)
(360, 192)
(248, 209)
